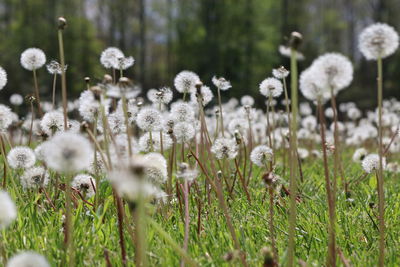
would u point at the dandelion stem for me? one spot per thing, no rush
(37, 94)
(220, 111)
(63, 78)
(381, 196)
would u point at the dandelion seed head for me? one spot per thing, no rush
(271, 87)
(225, 148)
(378, 40)
(55, 68)
(206, 95)
(285, 51)
(8, 211)
(162, 96)
(33, 58)
(247, 100)
(310, 86)
(149, 119)
(68, 152)
(85, 184)
(280, 73)
(21, 157)
(5, 117)
(181, 111)
(221, 83)
(371, 163)
(261, 154)
(16, 99)
(359, 155)
(27, 259)
(35, 177)
(3, 78)
(303, 153)
(184, 131)
(109, 58)
(156, 169)
(146, 143)
(185, 81)
(52, 122)
(186, 172)
(333, 70)
(125, 62)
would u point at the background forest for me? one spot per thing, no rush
(237, 39)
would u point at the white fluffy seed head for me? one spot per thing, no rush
(33, 58)
(149, 119)
(85, 184)
(378, 40)
(125, 62)
(285, 51)
(35, 177)
(5, 117)
(55, 68)
(21, 157)
(271, 87)
(371, 163)
(310, 86)
(182, 111)
(8, 211)
(261, 155)
(280, 73)
(184, 131)
(16, 99)
(156, 171)
(52, 122)
(333, 70)
(206, 95)
(221, 83)
(68, 152)
(3, 78)
(359, 155)
(161, 96)
(247, 100)
(225, 148)
(109, 58)
(28, 259)
(186, 172)
(185, 81)
(146, 143)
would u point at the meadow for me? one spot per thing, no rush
(174, 176)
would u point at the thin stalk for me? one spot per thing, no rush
(381, 196)
(37, 94)
(63, 77)
(54, 91)
(69, 229)
(139, 216)
(127, 126)
(272, 226)
(220, 111)
(293, 161)
(187, 218)
(331, 258)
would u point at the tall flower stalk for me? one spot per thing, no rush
(62, 23)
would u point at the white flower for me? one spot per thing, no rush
(247, 100)
(182, 111)
(261, 155)
(28, 259)
(333, 70)
(359, 154)
(52, 122)
(221, 83)
(110, 57)
(149, 119)
(271, 87)
(303, 153)
(225, 148)
(185, 81)
(310, 86)
(205, 97)
(3, 78)
(8, 211)
(378, 40)
(33, 58)
(371, 163)
(285, 51)
(156, 169)
(186, 173)
(280, 73)
(162, 96)
(21, 157)
(309, 122)
(85, 184)
(68, 152)
(5, 117)
(35, 177)
(16, 99)
(125, 62)
(183, 131)
(55, 68)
